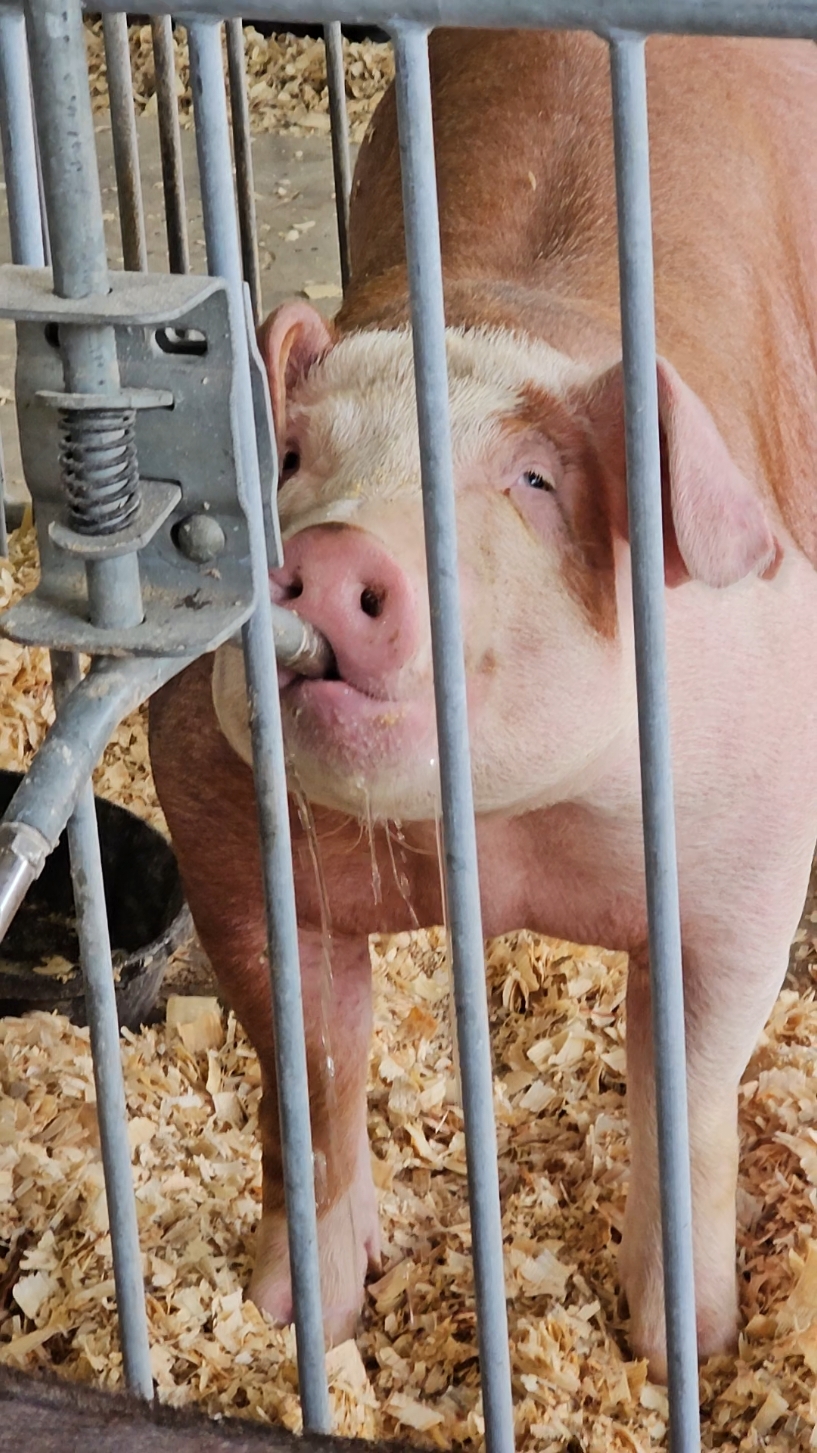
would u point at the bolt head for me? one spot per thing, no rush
(200, 538)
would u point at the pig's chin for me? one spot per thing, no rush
(359, 754)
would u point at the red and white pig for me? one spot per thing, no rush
(528, 221)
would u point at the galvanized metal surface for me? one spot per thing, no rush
(125, 143)
(697, 17)
(20, 164)
(647, 547)
(170, 142)
(103, 1024)
(413, 88)
(341, 157)
(224, 258)
(242, 153)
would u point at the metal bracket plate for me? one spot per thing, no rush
(174, 335)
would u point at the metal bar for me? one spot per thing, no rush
(46, 796)
(19, 142)
(224, 259)
(19, 167)
(341, 158)
(170, 143)
(242, 151)
(420, 210)
(125, 142)
(629, 84)
(103, 1023)
(71, 184)
(41, 191)
(695, 17)
(74, 204)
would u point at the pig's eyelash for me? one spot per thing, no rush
(535, 480)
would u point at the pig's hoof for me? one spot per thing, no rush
(348, 1246)
(716, 1324)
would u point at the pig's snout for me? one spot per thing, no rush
(347, 585)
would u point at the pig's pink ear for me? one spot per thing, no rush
(293, 338)
(715, 525)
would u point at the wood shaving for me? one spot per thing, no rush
(286, 78)
(193, 1088)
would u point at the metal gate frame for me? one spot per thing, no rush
(50, 31)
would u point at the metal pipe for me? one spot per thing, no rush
(242, 152)
(125, 142)
(46, 796)
(224, 259)
(341, 158)
(695, 17)
(103, 1024)
(60, 83)
(629, 84)
(18, 139)
(299, 646)
(420, 210)
(170, 143)
(19, 142)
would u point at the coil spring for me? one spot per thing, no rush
(99, 469)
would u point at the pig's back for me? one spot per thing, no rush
(524, 147)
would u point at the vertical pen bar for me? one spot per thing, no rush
(646, 538)
(242, 151)
(460, 845)
(60, 83)
(170, 143)
(224, 260)
(125, 142)
(19, 169)
(19, 142)
(103, 1024)
(341, 159)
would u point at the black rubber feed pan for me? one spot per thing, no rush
(147, 916)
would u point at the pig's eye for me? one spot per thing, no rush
(535, 480)
(290, 464)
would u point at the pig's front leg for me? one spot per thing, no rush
(726, 1009)
(338, 1020)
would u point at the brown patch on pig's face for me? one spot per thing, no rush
(546, 687)
(588, 564)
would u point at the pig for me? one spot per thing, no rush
(524, 158)
(46, 1415)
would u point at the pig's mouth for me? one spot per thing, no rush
(346, 723)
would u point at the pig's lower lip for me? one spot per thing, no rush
(359, 729)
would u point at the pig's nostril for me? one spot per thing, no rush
(371, 601)
(294, 588)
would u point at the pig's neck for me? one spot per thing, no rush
(587, 331)
(573, 871)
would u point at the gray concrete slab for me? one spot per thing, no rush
(296, 234)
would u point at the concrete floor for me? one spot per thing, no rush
(297, 235)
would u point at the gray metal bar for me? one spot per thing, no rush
(413, 90)
(697, 17)
(19, 167)
(46, 796)
(71, 183)
(19, 143)
(74, 204)
(170, 143)
(125, 142)
(103, 1023)
(341, 158)
(629, 84)
(242, 152)
(224, 259)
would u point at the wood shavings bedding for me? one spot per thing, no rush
(286, 77)
(558, 1037)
